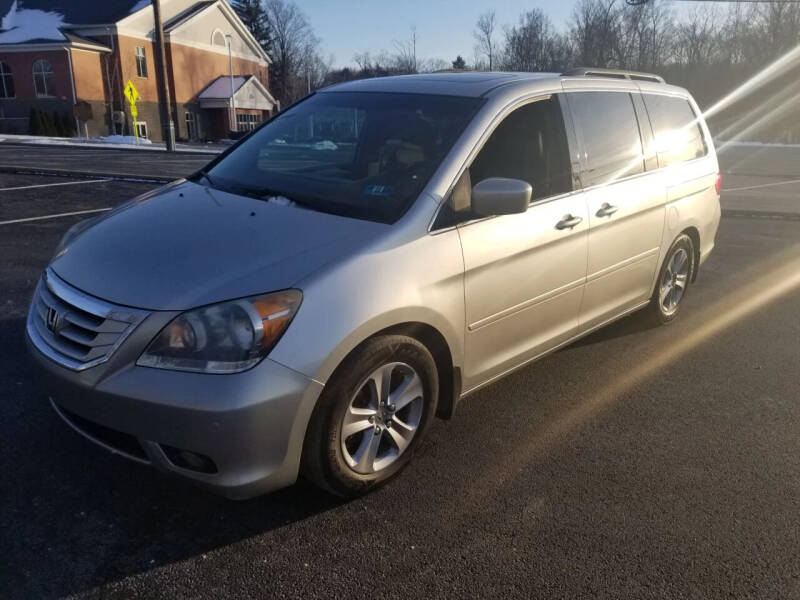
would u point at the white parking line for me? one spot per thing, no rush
(42, 185)
(761, 185)
(69, 214)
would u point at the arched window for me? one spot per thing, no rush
(218, 38)
(43, 78)
(6, 81)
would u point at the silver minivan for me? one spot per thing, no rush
(314, 297)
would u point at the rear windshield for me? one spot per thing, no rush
(678, 135)
(359, 154)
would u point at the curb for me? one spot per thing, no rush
(83, 174)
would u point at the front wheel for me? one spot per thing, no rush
(371, 416)
(673, 280)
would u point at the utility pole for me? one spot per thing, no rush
(168, 127)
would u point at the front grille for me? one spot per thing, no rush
(76, 330)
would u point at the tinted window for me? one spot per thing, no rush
(530, 144)
(678, 136)
(366, 155)
(607, 123)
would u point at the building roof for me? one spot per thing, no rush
(187, 14)
(41, 21)
(248, 92)
(221, 87)
(471, 83)
(48, 22)
(83, 12)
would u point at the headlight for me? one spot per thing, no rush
(223, 338)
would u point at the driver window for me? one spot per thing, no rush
(530, 144)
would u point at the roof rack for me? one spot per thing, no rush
(613, 73)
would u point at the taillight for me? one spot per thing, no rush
(718, 184)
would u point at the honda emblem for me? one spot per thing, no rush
(52, 319)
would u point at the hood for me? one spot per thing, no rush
(187, 245)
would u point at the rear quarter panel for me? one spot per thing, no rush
(692, 201)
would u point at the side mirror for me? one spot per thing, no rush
(501, 196)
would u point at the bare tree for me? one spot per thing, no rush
(431, 65)
(405, 58)
(484, 36)
(646, 36)
(533, 44)
(363, 60)
(697, 40)
(294, 48)
(709, 50)
(776, 28)
(595, 33)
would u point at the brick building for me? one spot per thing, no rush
(56, 54)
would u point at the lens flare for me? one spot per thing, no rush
(787, 106)
(779, 276)
(790, 91)
(770, 72)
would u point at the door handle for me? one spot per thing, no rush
(606, 210)
(568, 222)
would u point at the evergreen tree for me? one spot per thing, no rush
(48, 125)
(35, 126)
(58, 124)
(253, 15)
(459, 63)
(69, 125)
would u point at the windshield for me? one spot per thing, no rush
(365, 155)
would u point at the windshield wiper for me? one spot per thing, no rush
(266, 193)
(203, 174)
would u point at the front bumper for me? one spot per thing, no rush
(251, 425)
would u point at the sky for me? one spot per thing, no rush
(444, 27)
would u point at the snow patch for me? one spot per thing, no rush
(103, 143)
(32, 24)
(7, 22)
(122, 139)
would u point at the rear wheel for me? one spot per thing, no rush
(673, 280)
(371, 416)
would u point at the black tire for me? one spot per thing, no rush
(324, 459)
(657, 312)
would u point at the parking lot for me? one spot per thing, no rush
(638, 462)
(133, 164)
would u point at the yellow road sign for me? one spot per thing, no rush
(131, 93)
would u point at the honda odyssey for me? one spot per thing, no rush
(312, 299)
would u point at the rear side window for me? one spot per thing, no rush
(530, 144)
(678, 136)
(606, 122)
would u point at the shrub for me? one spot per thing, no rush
(35, 125)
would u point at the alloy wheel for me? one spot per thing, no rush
(382, 418)
(673, 281)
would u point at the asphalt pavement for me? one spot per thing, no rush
(639, 462)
